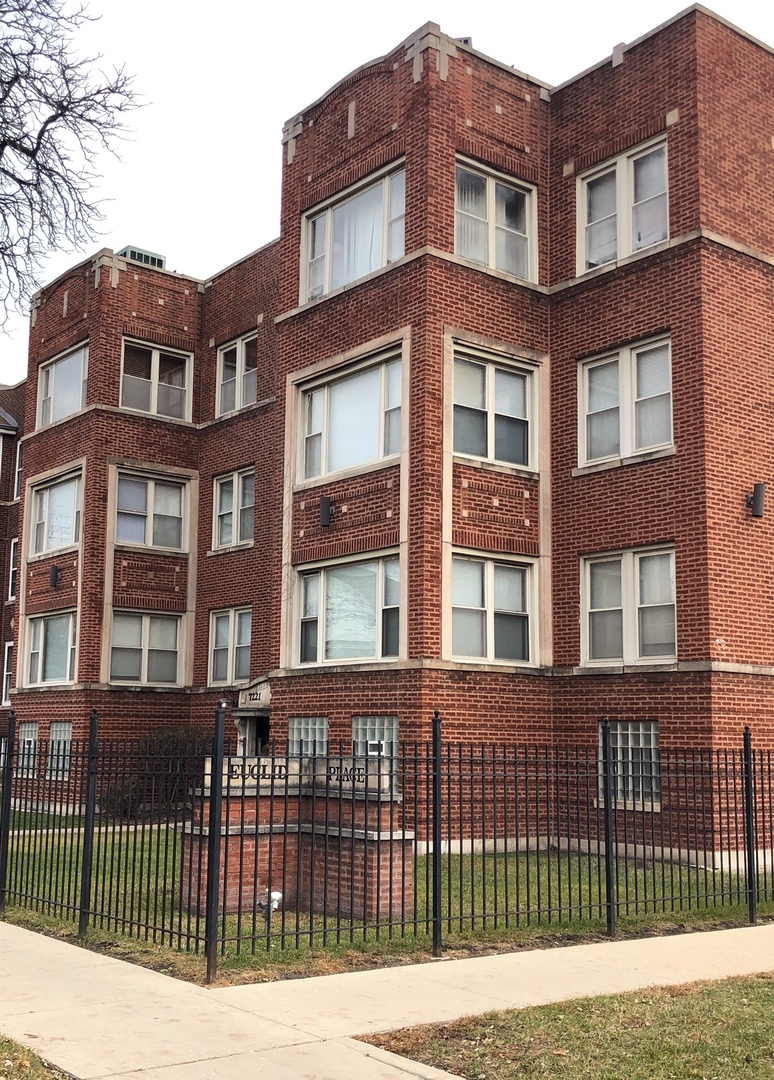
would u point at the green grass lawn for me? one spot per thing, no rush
(139, 905)
(705, 1031)
(139, 887)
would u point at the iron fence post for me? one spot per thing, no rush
(5, 810)
(751, 862)
(214, 825)
(88, 827)
(607, 799)
(437, 869)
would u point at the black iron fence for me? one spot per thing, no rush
(192, 847)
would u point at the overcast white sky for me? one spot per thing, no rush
(198, 181)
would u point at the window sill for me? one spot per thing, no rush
(185, 422)
(343, 474)
(252, 407)
(335, 666)
(663, 664)
(617, 463)
(496, 467)
(136, 686)
(57, 553)
(126, 545)
(634, 256)
(631, 806)
(228, 549)
(309, 305)
(481, 663)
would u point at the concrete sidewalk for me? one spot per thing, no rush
(96, 1017)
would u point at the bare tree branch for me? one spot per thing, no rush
(58, 113)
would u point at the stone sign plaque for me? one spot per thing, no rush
(337, 775)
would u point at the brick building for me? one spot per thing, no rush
(475, 433)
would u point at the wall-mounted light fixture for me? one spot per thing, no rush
(54, 576)
(756, 501)
(326, 511)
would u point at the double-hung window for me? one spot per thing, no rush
(352, 420)
(629, 601)
(494, 222)
(234, 509)
(145, 648)
(7, 670)
(62, 386)
(51, 649)
(56, 508)
(350, 611)
(150, 511)
(238, 374)
(626, 403)
(230, 633)
(355, 234)
(492, 408)
(491, 610)
(635, 763)
(155, 380)
(13, 569)
(623, 207)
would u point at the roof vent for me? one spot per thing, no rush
(466, 41)
(147, 258)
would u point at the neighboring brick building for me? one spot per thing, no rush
(519, 341)
(12, 404)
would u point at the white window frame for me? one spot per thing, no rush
(245, 388)
(7, 673)
(238, 507)
(317, 282)
(150, 514)
(307, 736)
(48, 376)
(41, 519)
(27, 750)
(493, 179)
(489, 564)
(59, 750)
(37, 642)
(385, 587)
(628, 402)
(315, 422)
(235, 621)
(145, 618)
(630, 607)
(623, 169)
(17, 475)
(156, 352)
(635, 764)
(492, 365)
(13, 568)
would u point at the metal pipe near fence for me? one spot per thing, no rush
(437, 866)
(214, 824)
(5, 810)
(751, 867)
(607, 799)
(88, 826)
